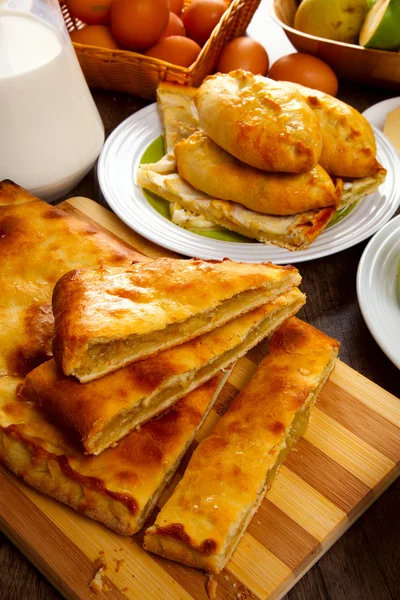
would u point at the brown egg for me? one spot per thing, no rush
(307, 70)
(176, 49)
(176, 6)
(91, 12)
(95, 35)
(138, 24)
(243, 53)
(174, 27)
(201, 17)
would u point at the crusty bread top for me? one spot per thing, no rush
(259, 121)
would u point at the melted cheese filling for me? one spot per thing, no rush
(106, 356)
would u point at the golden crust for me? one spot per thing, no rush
(99, 413)
(230, 470)
(11, 193)
(38, 244)
(348, 141)
(259, 121)
(293, 232)
(208, 168)
(108, 318)
(121, 486)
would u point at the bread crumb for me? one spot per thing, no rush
(98, 585)
(118, 564)
(226, 577)
(211, 587)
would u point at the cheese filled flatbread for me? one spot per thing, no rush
(108, 318)
(259, 121)
(38, 244)
(208, 168)
(101, 412)
(293, 232)
(230, 470)
(121, 486)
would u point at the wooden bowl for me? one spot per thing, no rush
(372, 67)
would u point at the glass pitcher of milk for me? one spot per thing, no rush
(50, 130)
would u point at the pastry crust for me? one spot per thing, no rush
(38, 244)
(259, 121)
(101, 412)
(207, 167)
(178, 112)
(120, 487)
(230, 470)
(293, 232)
(108, 318)
(348, 141)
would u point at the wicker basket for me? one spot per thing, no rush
(126, 71)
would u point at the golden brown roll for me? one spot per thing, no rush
(259, 121)
(348, 141)
(207, 167)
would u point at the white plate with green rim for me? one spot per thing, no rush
(378, 288)
(138, 139)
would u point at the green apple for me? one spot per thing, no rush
(338, 20)
(381, 28)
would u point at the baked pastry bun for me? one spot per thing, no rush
(108, 318)
(230, 471)
(348, 141)
(263, 124)
(208, 168)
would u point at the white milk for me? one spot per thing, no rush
(50, 130)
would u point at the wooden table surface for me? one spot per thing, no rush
(364, 563)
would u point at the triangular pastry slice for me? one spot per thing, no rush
(108, 318)
(38, 244)
(178, 112)
(101, 412)
(230, 471)
(120, 487)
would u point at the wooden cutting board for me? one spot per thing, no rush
(348, 457)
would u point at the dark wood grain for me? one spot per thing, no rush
(364, 563)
